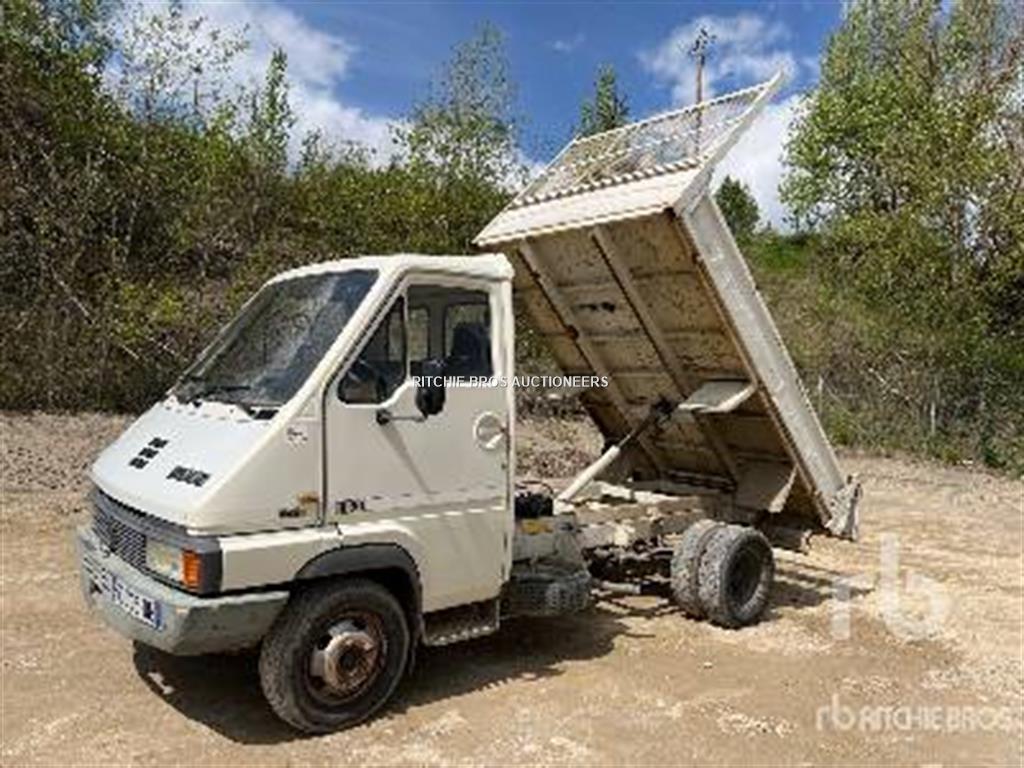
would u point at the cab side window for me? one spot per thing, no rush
(467, 336)
(452, 326)
(419, 337)
(380, 367)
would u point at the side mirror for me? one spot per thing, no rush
(430, 394)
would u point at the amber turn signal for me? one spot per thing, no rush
(191, 570)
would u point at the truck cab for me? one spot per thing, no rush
(302, 446)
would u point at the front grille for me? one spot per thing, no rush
(124, 541)
(124, 531)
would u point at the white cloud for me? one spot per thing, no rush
(747, 49)
(568, 44)
(315, 57)
(318, 109)
(756, 159)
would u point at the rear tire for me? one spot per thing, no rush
(685, 568)
(735, 579)
(335, 655)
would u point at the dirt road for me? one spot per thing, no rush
(922, 665)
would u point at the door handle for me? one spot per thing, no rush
(489, 431)
(385, 417)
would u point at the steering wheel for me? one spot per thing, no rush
(363, 372)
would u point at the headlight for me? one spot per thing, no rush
(164, 559)
(180, 565)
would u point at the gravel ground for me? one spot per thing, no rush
(923, 664)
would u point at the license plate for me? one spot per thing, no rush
(136, 605)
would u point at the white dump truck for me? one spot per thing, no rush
(333, 481)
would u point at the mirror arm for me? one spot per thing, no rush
(384, 417)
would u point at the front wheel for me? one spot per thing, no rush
(335, 655)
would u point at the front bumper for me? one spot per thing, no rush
(189, 625)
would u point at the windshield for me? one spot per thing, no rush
(270, 349)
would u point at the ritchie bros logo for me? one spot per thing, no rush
(536, 382)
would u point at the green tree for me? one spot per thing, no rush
(271, 117)
(126, 211)
(908, 159)
(172, 65)
(466, 128)
(739, 207)
(909, 152)
(607, 108)
(460, 147)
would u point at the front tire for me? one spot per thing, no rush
(335, 655)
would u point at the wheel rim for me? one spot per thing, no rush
(744, 576)
(346, 657)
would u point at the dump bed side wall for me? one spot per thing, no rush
(762, 346)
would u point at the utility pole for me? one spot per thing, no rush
(699, 51)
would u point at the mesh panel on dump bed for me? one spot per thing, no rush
(628, 271)
(668, 142)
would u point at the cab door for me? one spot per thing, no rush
(437, 485)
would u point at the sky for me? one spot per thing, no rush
(356, 68)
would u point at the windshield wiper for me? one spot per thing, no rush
(256, 410)
(211, 389)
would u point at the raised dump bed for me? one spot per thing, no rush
(628, 270)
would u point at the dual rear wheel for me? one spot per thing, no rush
(723, 573)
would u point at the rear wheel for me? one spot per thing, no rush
(735, 576)
(685, 569)
(335, 655)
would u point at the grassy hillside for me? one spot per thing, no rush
(881, 384)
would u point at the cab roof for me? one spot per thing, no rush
(492, 266)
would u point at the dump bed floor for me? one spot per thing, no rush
(635, 277)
